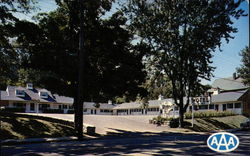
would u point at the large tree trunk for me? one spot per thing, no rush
(181, 117)
(80, 88)
(181, 113)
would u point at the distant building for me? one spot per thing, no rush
(33, 99)
(225, 94)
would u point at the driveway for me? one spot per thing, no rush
(108, 124)
(167, 144)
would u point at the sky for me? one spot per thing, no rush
(225, 62)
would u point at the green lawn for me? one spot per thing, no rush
(20, 126)
(217, 123)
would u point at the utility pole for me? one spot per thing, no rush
(81, 67)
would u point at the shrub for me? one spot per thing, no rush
(159, 120)
(246, 114)
(174, 123)
(14, 109)
(208, 114)
(52, 111)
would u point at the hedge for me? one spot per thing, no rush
(8, 109)
(208, 114)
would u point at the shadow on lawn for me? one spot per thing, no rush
(209, 124)
(16, 126)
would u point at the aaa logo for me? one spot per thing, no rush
(223, 142)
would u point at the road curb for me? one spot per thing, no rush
(36, 140)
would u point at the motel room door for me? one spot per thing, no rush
(224, 107)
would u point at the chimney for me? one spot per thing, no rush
(160, 97)
(29, 86)
(110, 102)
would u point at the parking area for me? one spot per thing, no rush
(108, 124)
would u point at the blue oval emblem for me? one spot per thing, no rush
(223, 142)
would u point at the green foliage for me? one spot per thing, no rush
(244, 69)
(208, 114)
(9, 52)
(14, 110)
(158, 84)
(182, 36)
(160, 119)
(174, 123)
(113, 66)
(246, 114)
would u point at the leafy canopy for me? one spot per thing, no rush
(182, 36)
(244, 69)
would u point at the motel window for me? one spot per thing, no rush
(65, 107)
(19, 105)
(230, 105)
(202, 100)
(204, 107)
(211, 106)
(32, 106)
(101, 110)
(20, 93)
(71, 107)
(84, 110)
(106, 110)
(176, 108)
(237, 105)
(43, 106)
(43, 94)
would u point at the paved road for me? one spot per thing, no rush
(167, 144)
(108, 124)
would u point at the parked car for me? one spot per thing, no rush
(245, 125)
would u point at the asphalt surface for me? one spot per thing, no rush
(110, 124)
(163, 144)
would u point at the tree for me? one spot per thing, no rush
(182, 36)
(158, 84)
(244, 69)
(113, 66)
(9, 62)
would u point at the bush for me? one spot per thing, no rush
(246, 114)
(208, 114)
(159, 120)
(174, 123)
(14, 109)
(71, 111)
(52, 111)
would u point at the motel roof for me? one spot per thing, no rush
(227, 96)
(33, 95)
(229, 84)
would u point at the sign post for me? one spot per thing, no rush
(192, 113)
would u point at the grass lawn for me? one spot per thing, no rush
(217, 123)
(21, 126)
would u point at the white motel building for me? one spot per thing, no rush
(226, 94)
